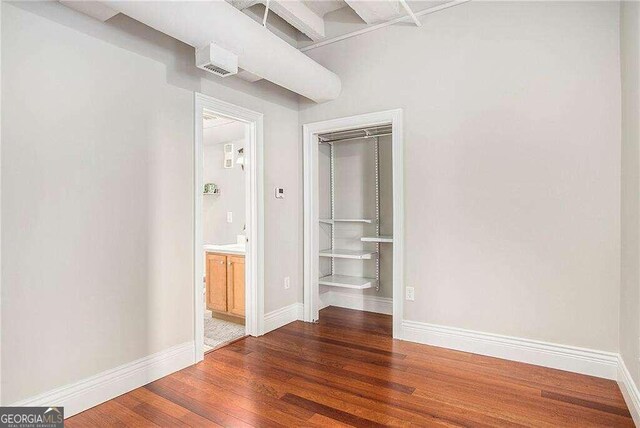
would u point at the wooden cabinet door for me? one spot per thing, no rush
(235, 285)
(217, 282)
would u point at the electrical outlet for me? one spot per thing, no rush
(287, 282)
(229, 217)
(411, 293)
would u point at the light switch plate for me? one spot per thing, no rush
(410, 294)
(229, 217)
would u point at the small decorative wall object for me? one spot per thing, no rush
(240, 158)
(211, 189)
(228, 155)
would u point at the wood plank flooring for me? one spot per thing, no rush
(347, 371)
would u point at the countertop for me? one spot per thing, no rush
(237, 249)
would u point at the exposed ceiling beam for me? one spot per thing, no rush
(249, 77)
(321, 8)
(376, 27)
(295, 12)
(373, 12)
(259, 51)
(94, 9)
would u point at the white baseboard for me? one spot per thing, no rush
(109, 384)
(283, 316)
(579, 360)
(629, 391)
(361, 302)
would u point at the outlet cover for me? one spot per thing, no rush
(229, 217)
(410, 294)
(287, 282)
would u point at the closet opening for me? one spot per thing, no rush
(353, 214)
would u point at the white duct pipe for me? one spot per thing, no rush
(259, 51)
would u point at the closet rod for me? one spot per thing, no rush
(337, 140)
(350, 134)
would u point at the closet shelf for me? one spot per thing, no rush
(347, 281)
(346, 220)
(377, 238)
(348, 254)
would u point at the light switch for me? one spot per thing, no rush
(411, 293)
(229, 217)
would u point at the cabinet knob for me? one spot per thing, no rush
(221, 262)
(230, 263)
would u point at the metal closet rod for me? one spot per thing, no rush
(377, 131)
(352, 138)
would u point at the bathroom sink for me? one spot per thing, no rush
(226, 248)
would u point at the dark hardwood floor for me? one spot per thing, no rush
(347, 371)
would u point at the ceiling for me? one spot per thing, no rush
(223, 133)
(210, 120)
(302, 23)
(322, 7)
(218, 129)
(291, 27)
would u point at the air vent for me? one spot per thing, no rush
(217, 70)
(217, 60)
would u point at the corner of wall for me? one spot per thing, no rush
(629, 391)
(629, 291)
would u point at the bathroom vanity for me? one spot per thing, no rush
(225, 279)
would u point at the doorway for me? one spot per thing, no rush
(224, 229)
(228, 232)
(353, 238)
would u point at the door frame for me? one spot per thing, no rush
(254, 196)
(310, 133)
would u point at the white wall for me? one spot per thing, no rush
(231, 182)
(512, 162)
(97, 193)
(630, 232)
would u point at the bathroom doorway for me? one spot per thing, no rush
(224, 229)
(228, 224)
